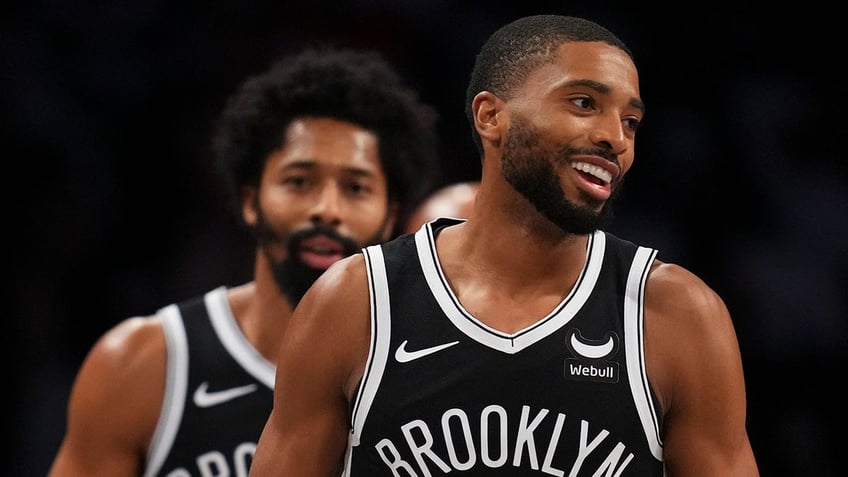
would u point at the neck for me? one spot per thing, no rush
(261, 309)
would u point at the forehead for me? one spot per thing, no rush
(586, 61)
(331, 142)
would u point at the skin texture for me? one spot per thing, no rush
(452, 200)
(326, 173)
(693, 359)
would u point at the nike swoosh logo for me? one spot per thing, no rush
(592, 351)
(204, 398)
(404, 356)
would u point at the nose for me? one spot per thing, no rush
(327, 207)
(608, 132)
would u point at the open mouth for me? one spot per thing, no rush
(320, 252)
(594, 180)
(593, 173)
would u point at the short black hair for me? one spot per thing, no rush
(358, 86)
(518, 48)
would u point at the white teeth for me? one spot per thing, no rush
(591, 169)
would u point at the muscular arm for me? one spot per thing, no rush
(695, 365)
(115, 403)
(319, 365)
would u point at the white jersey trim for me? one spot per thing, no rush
(475, 329)
(378, 353)
(228, 331)
(176, 384)
(634, 332)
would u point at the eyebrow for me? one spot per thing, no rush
(309, 164)
(605, 89)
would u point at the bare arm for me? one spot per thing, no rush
(319, 365)
(115, 403)
(695, 364)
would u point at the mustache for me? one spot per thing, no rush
(296, 238)
(265, 235)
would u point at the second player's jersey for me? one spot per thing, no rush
(218, 393)
(445, 393)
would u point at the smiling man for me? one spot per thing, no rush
(524, 340)
(321, 153)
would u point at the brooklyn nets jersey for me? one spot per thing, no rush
(443, 392)
(218, 394)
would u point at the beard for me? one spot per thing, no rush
(292, 276)
(529, 166)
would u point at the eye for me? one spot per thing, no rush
(631, 123)
(358, 187)
(582, 102)
(296, 181)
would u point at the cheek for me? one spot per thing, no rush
(280, 211)
(366, 223)
(366, 218)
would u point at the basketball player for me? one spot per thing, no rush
(453, 200)
(322, 152)
(525, 340)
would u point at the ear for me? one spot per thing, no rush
(391, 220)
(488, 119)
(249, 200)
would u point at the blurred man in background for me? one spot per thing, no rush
(322, 153)
(453, 200)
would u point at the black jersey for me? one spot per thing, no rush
(218, 394)
(443, 392)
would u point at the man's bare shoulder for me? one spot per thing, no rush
(341, 274)
(334, 312)
(695, 368)
(133, 341)
(116, 400)
(686, 322)
(683, 315)
(127, 363)
(679, 292)
(340, 291)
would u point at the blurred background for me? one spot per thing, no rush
(740, 174)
